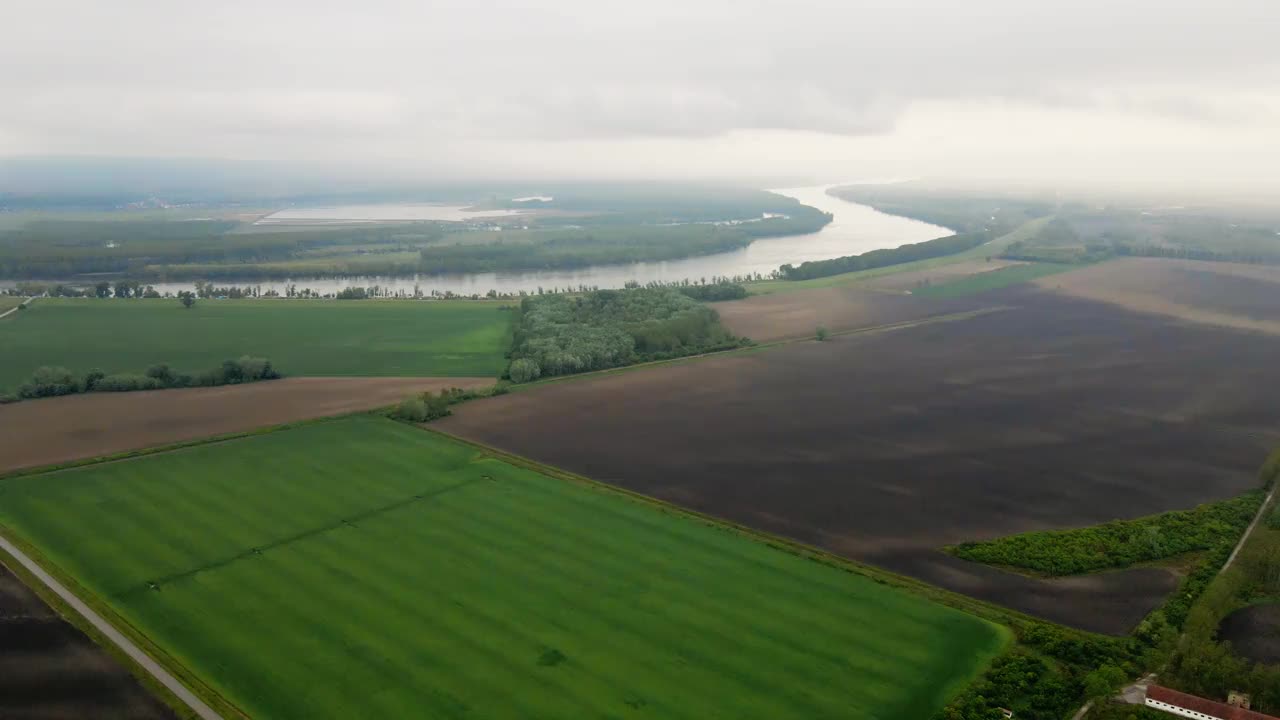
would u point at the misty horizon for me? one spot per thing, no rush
(1171, 96)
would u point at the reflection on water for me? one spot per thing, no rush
(855, 229)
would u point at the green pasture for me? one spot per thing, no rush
(364, 568)
(301, 337)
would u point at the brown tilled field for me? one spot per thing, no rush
(51, 671)
(56, 430)
(885, 447)
(782, 316)
(1226, 294)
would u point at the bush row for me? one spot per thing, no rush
(54, 381)
(883, 258)
(1120, 543)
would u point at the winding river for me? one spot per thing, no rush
(854, 229)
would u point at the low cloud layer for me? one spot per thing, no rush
(504, 87)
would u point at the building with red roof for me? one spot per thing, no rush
(1190, 706)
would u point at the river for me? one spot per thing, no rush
(855, 229)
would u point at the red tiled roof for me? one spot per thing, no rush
(1200, 705)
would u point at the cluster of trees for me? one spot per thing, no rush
(715, 292)
(883, 258)
(1051, 674)
(55, 381)
(428, 406)
(561, 334)
(1120, 543)
(1180, 637)
(1202, 665)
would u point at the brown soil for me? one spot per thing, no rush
(908, 281)
(1246, 297)
(781, 316)
(50, 670)
(1254, 633)
(57, 430)
(884, 447)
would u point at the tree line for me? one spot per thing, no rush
(1120, 543)
(54, 381)
(885, 257)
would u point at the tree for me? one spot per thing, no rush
(1103, 682)
(102, 289)
(822, 334)
(188, 298)
(524, 370)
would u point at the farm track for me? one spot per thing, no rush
(109, 631)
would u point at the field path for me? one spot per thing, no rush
(13, 310)
(119, 640)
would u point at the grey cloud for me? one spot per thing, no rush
(419, 78)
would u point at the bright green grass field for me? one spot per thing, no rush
(364, 568)
(301, 337)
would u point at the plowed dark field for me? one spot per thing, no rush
(1254, 632)
(51, 671)
(884, 447)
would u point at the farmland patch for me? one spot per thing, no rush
(364, 568)
(1059, 413)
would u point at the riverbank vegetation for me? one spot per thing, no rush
(963, 212)
(582, 227)
(883, 258)
(563, 334)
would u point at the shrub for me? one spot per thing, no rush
(162, 373)
(127, 383)
(524, 370)
(822, 334)
(411, 409)
(49, 382)
(91, 379)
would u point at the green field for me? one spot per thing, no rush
(363, 568)
(9, 302)
(300, 337)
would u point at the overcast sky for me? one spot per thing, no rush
(1070, 90)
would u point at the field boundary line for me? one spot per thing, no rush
(156, 669)
(988, 611)
(1266, 504)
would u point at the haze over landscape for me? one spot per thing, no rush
(1164, 92)
(498, 360)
